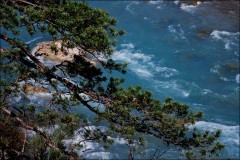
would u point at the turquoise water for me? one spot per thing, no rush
(188, 53)
(168, 55)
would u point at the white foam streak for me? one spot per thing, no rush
(33, 40)
(129, 45)
(143, 72)
(171, 88)
(220, 34)
(128, 7)
(141, 64)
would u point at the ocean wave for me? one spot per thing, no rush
(188, 8)
(220, 34)
(171, 87)
(229, 136)
(229, 38)
(94, 150)
(142, 64)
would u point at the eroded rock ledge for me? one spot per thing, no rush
(54, 51)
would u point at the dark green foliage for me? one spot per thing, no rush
(130, 113)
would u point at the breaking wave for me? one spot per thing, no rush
(229, 136)
(142, 64)
(230, 39)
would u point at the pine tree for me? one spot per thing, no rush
(130, 113)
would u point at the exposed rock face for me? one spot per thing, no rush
(54, 51)
(204, 33)
(51, 53)
(28, 89)
(192, 3)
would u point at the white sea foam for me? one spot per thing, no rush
(119, 141)
(100, 155)
(229, 38)
(220, 34)
(185, 93)
(155, 2)
(143, 72)
(206, 91)
(229, 136)
(188, 8)
(33, 40)
(238, 78)
(145, 18)
(215, 69)
(176, 2)
(142, 64)
(177, 31)
(91, 149)
(171, 87)
(225, 79)
(129, 7)
(227, 46)
(172, 29)
(221, 69)
(135, 60)
(166, 72)
(129, 45)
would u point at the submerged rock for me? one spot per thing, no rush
(204, 33)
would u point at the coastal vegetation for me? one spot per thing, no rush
(78, 82)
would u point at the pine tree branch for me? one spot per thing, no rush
(31, 127)
(37, 130)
